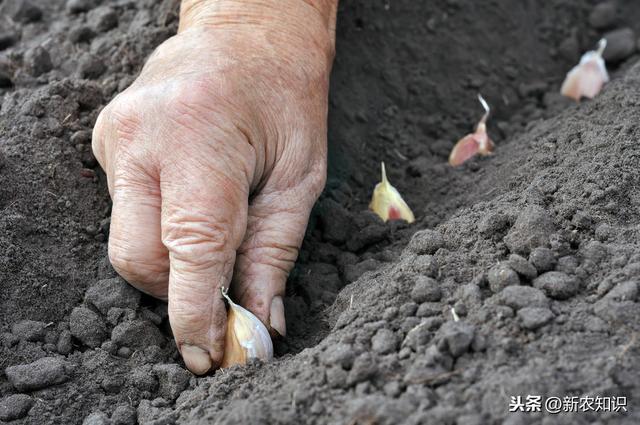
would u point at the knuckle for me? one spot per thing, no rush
(280, 256)
(121, 117)
(196, 239)
(132, 182)
(274, 254)
(135, 269)
(189, 314)
(116, 126)
(125, 120)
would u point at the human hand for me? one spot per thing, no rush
(214, 157)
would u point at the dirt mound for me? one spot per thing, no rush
(534, 249)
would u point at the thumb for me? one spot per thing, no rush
(276, 225)
(203, 223)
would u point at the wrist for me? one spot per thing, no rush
(303, 18)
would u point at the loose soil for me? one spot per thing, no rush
(536, 248)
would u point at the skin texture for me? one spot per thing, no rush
(214, 157)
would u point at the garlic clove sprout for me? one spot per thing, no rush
(388, 203)
(477, 143)
(246, 337)
(588, 77)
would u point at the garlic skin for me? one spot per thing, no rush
(387, 203)
(246, 337)
(588, 77)
(477, 143)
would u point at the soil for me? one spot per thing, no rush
(535, 248)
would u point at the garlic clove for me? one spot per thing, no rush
(588, 77)
(246, 337)
(387, 202)
(465, 149)
(477, 143)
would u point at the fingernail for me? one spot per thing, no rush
(276, 316)
(197, 360)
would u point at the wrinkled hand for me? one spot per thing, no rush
(214, 158)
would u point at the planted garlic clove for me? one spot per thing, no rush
(588, 77)
(477, 143)
(387, 202)
(465, 149)
(246, 337)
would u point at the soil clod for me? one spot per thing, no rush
(518, 297)
(15, 407)
(42, 373)
(557, 285)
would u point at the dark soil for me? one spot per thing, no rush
(536, 248)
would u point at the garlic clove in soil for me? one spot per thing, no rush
(246, 337)
(387, 203)
(477, 143)
(588, 77)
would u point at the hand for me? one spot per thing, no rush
(214, 158)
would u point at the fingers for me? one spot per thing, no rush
(135, 245)
(204, 216)
(276, 225)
